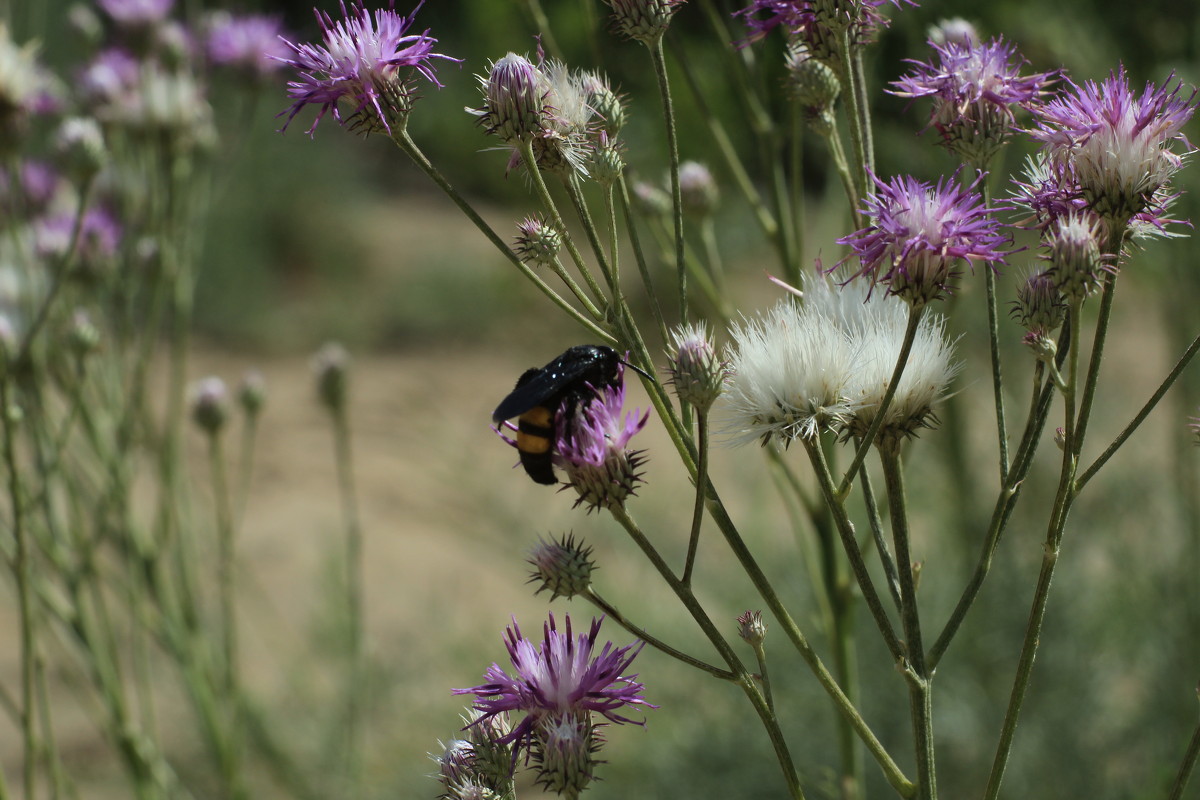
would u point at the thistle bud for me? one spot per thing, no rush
(650, 200)
(210, 405)
(83, 337)
(80, 146)
(606, 103)
(815, 87)
(565, 750)
(537, 241)
(1075, 260)
(1039, 307)
(752, 628)
(697, 189)
(697, 372)
(1060, 438)
(954, 31)
(564, 568)
(330, 366)
(606, 162)
(514, 99)
(643, 21)
(493, 756)
(252, 392)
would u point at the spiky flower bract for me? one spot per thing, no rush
(919, 234)
(562, 567)
(698, 373)
(368, 61)
(1117, 149)
(591, 444)
(564, 677)
(976, 89)
(643, 21)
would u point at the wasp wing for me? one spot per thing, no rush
(540, 386)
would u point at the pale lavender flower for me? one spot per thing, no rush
(368, 61)
(919, 234)
(563, 677)
(976, 89)
(99, 236)
(111, 74)
(591, 444)
(1117, 149)
(953, 31)
(209, 402)
(137, 13)
(249, 43)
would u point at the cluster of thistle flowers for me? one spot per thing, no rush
(142, 82)
(567, 688)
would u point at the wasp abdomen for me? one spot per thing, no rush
(535, 441)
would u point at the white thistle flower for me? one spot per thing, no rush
(789, 373)
(927, 373)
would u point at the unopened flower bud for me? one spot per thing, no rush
(814, 84)
(1075, 260)
(80, 146)
(606, 163)
(537, 241)
(455, 763)
(493, 756)
(252, 392)
(1044, 348)
(1039, 307)
(1060, 438)
(562, 567)
(330, 366)
(697, 188)
(83, 337)
(650, 200)
(515, 99)
(606, 103)
(752, 628)
(643, 21)
(697, 372)
(566, 748)
(954, 31)
(209, 402)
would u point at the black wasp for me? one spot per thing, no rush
(557, 388)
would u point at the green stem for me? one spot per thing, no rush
(409, 147)
(357, 674)
(1150, 405)
(1185, 766)
(920, 697)
(997, 379)
(853, 97)
(22, 566)
(664, 90)
(853, 553)
(611, 611)
(910, 334)
(640, 257)
(701, 483)
(742, 677)
(1054, 533)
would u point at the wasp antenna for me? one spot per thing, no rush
(637, 369)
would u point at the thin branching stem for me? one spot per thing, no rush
(1186, 765)
(664, 89)
(616, 616)
(701, 484)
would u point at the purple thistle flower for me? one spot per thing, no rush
(919, 233)
(590, 444)
(137, 13)
(816, 23)
(1115, 148)
(99, 236)
(361, 59)
(249, 43)
(109, 76)
(975, 88)
(562, 677)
